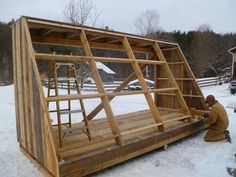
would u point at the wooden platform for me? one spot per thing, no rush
(62, 151)
(81, 157)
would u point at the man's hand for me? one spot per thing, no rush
(205, 115)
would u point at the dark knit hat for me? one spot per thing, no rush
(210, 98)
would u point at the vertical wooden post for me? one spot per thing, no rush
(49, 134)
(19, 79)
(14, 55)
(98, 82)
(172, 81)
(31, 107)
(142, 83)
(23, 76)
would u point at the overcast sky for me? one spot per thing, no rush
(184, 15)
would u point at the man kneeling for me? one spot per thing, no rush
(217, 120)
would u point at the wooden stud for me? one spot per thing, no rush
(73, 43)
(96, 110)
(172, 80)
(101, 90)
(14, 55)
(142, 83)
(25, 89)
(72, 58)
(51, 145)
(19, 79)
(73, 97)
(31, 107)
(191, 75)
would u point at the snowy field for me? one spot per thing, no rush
(191, 157)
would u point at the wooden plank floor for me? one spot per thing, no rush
(81, 157)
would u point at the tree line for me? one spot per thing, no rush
(6, 66)
(206, 51)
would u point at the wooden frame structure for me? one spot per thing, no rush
(174, 103)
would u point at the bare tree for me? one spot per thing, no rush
(147, 22)
(81, 12)
(203, 47)
(204, 28)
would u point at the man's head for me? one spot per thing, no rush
(210, 100)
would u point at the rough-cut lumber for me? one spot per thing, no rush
(101, 90)
(54, 57)
(142, 82)
(86, 162)
(68, 148)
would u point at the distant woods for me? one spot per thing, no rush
(206, 51)
(6, 73)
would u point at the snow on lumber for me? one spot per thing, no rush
(104, 68)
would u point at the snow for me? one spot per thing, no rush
(189, 157)
(104, 68)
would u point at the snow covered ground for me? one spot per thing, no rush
(189, 157)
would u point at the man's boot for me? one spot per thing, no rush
(227, 136)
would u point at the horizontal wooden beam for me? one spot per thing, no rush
(195, 96)
(47, 32)
(167, 94)
(152, 62)
(163, 89)
(71, 35)
(113, 60)
(127, 60)
(112, 94)
(77, 43)
(140, 129)
(176, 63)
(43, 56)
(90, 145)
(177, 119)
(198, 112)
(168, 49)
(184, 95)
(114, 41)
(73, 97)
(95, 38)
(34, 23)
